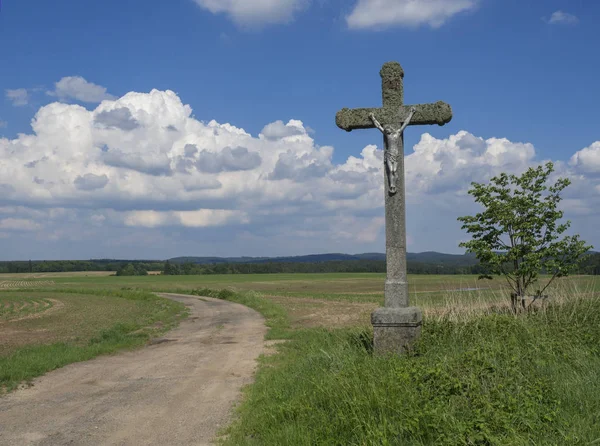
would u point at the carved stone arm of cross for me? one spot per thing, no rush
(359, 118)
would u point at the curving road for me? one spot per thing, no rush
(179, 391)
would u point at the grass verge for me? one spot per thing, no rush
(91, 323)
(486, 379)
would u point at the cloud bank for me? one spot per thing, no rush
(140, 176)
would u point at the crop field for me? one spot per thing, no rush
(41, 329)
(328, 300)
(12, 284)
(23, 307)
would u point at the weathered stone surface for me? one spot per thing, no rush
(396, 293)
(439, 113)
(392, 86)
(393, 111)
(395, 326)
(395, 329)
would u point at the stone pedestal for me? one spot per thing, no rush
(395, 329)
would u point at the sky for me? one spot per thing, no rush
(153, 129)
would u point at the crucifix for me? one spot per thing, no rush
(396, 325)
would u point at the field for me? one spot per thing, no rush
(479, 375)
(312, 300)
(42, 329)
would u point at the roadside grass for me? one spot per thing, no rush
(483, 377)
(87, 324)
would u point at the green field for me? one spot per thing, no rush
(480, 375)
(365, 287)
(41, 330)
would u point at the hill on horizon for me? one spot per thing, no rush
(423, 257)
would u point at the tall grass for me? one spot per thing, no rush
(484, 377)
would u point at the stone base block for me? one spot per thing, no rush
(395, 329)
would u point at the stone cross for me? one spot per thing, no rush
(396, 325)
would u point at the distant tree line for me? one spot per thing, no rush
(54, 266)
(590, 266)
(137, 269)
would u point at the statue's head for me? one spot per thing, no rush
(388, 129)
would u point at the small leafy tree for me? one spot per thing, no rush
(518, 234)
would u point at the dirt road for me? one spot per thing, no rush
(179, 391)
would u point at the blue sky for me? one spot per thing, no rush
(520, 76)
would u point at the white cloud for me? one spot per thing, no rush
(89, 181)
(379, 14)
(18, 224)
(587, 160)
(130, 168)
(76, 87)
(453, 163)
(562, 18)
(255, 12)
(193, 219)
(19, 97)
(278, 130)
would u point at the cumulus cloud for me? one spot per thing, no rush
(562, 18)
(379, 14)
(453, 163)
(89, 181)
(303, 167)
(77, 88)
(119, 118)
(18, 224)
(121, 172)
(587, 160)
(227, 160)
(278, 130)
(194, 219)
(255, 12)
(19, 97)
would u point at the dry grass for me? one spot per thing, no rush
(312, 313)
(25, 276)
(447, 303)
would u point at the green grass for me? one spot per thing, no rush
(498, 379)
(88, 323)
(478, 376)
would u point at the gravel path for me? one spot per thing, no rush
(179, 391)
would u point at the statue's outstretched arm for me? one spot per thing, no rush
(376, 122)
(407, 121)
